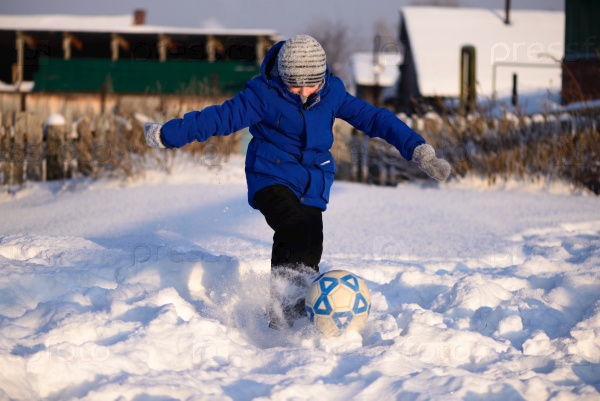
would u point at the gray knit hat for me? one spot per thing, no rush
(301, 61)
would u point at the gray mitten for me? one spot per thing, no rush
(152, 134)
(424, 156)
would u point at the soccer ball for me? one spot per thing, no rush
(338, 300)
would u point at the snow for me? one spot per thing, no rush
(52, 22)
(156, 288)
(437, 35)
(363, 70)
(55, 119)
(114, 23)
(26, 86)
(589, 104)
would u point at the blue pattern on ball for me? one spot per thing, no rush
(322, 306)
(351, 281)
(310, 312)
(318, 277)
(327, 284)
(360, 304)
(338, 316)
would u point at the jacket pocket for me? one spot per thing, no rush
(280, 166)
(328, 169)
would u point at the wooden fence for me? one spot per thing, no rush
(549, 147)
(86, 134)
(36, 147)
(32, 148)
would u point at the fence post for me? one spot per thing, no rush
(35, 153)
(56, 143)
(69, 170)
(84, 146)
(9, 150)
(9, 147)
(19, 149)
(2, 150)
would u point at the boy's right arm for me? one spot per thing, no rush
(244, 109)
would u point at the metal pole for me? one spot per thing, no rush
(511, 64)
(515, 98)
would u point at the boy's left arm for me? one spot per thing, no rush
(382, 123)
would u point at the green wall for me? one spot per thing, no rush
(125, 76)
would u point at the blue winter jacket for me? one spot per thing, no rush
(291, 141)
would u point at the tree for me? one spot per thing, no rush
(336, 41)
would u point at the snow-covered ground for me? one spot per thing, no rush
(156, 290)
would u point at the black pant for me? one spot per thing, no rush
(297, 249)
(298, 238)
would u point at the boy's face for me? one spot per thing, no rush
(304, 91)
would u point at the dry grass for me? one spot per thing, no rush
(546, 148)
(549, 149)
(113, 143)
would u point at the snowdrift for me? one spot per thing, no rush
(157, 290)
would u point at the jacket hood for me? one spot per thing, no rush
(268, 71)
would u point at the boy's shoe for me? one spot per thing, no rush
(288, 291)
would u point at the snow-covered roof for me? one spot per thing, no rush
(363, 68)
(437, 35)
(65, 22)
(111, 23)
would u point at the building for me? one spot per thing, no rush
(121, 54)
(375, 76)
(526, 50)
(581, 63)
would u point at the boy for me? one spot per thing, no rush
(290, 109)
